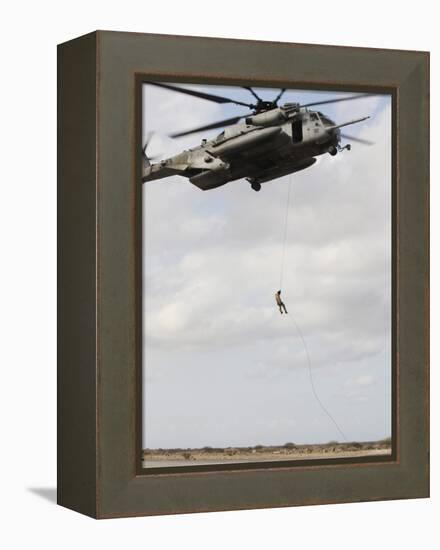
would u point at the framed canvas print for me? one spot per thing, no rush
(243, 274)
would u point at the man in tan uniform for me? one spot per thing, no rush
(280, 303)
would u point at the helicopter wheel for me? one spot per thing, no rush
(333, 151)
(256, 186)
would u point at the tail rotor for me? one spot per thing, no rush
(148, 158)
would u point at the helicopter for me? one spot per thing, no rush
(268, 142)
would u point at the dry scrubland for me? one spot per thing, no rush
(289, 451)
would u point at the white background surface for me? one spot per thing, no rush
(29, 34)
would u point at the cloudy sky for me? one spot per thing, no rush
(222, 367)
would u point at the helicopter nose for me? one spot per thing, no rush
(337, 134)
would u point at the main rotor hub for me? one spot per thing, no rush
(262, 106)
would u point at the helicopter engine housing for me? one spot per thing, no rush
(268, 118)
(244, 141)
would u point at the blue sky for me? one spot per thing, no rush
(221, 365)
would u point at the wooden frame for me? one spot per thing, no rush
(99, 220)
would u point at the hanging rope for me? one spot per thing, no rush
(298, 330)
(312, 383)
(286, 220)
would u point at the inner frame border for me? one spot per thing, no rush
(142, 78)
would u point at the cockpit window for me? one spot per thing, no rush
(327, 121)
(313, 116)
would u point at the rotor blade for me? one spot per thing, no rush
(348, 123)
(219, 124)
(202, 95)
(279, 96)
(348, 98)
(253, 92)
(359, 140)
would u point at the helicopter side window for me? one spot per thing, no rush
(326, 121)
(314, 118)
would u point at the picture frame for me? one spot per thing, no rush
(100, 269)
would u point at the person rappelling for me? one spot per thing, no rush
(280, 302)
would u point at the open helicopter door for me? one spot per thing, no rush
(297, 130)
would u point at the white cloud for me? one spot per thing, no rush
(361, 381)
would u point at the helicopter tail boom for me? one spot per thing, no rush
(158, 171)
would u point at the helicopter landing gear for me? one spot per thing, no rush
(333, 151)
(256, 186)
(348, 147)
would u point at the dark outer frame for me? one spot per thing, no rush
(99, 220)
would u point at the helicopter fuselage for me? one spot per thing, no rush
(265, 146)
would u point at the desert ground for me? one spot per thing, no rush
(156, 458)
